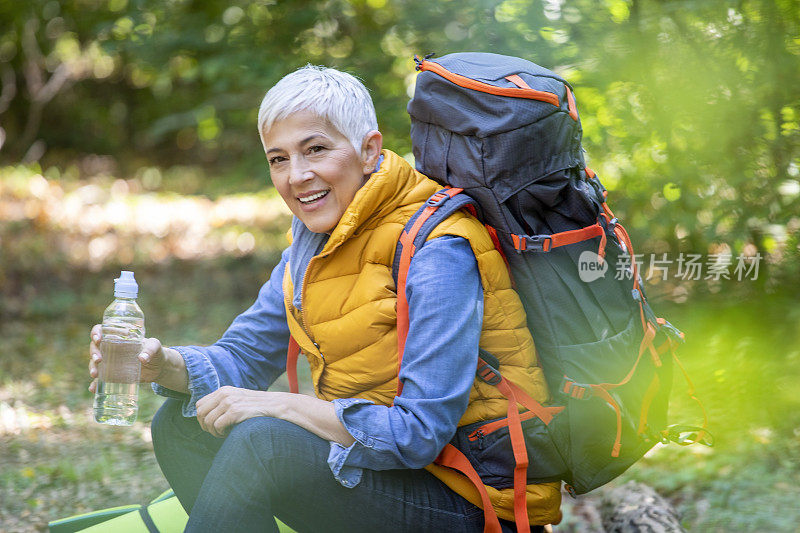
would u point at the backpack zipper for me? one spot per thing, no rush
(469, 83)
(491, 427)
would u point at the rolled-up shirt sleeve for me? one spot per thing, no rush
(445, 299)
(250, 354)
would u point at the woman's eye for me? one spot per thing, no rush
(316, 148)
(276, 159)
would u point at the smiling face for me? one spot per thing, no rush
(315, 168)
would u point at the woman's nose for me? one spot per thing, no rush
(299, 171)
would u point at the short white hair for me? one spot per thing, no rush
(331, 94)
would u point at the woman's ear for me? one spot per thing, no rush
(371, 150)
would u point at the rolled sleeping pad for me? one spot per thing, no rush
(163, 515)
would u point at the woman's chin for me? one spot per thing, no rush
(317, 223)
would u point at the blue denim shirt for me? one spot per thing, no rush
(445, 319)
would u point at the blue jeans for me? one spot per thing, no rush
(268, 467)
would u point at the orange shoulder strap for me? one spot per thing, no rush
(451, 457)
(291, 364)
(407, 241)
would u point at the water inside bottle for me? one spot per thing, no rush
(115, 402)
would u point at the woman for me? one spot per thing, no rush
(356, 457)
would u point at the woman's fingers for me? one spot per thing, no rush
(152, 359)
(94, 350)
(93, 386)
(151, 351)
(222, 424)
(96, 333)
(218, 421)
(208, 422)
(214, 410)
(208, 412)
(94, 360)
(207, 403)
(204, 406)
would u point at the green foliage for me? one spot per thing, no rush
(691, 109)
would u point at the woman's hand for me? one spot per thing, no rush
(153, 357)
(227, 406)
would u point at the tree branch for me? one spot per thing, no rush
(41, 92)
(9, 81)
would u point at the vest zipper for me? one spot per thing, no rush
(290, 305)
(302, 297)
(469, 83)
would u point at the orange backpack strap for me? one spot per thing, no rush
(451, 457)
(410, 240)
(295, 330)
(515, 395)
(520, 458)
(545, 243)
(292, 354)
(407, 247)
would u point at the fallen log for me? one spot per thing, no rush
(635, 507)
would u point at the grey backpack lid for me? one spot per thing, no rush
(503, 150)
(471, 112)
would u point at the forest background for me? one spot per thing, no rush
(128, 141)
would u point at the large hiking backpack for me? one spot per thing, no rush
(504, 135)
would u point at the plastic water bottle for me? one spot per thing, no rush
(116, 396)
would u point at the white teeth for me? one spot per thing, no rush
(309, 199)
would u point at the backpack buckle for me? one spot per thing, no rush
(532, 243)
(672, 332)
(437, 199)
(489, 374)
(683, 435)
(573, 389)
(419, 61)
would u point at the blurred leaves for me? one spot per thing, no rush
(90, 225)
(688, 107)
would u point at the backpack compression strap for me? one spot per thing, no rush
(545, 243)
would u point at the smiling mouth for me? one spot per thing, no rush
(311, 198)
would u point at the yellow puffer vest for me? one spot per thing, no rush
(348, 325)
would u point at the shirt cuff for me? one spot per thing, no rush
(347, 476)
(203, 380)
